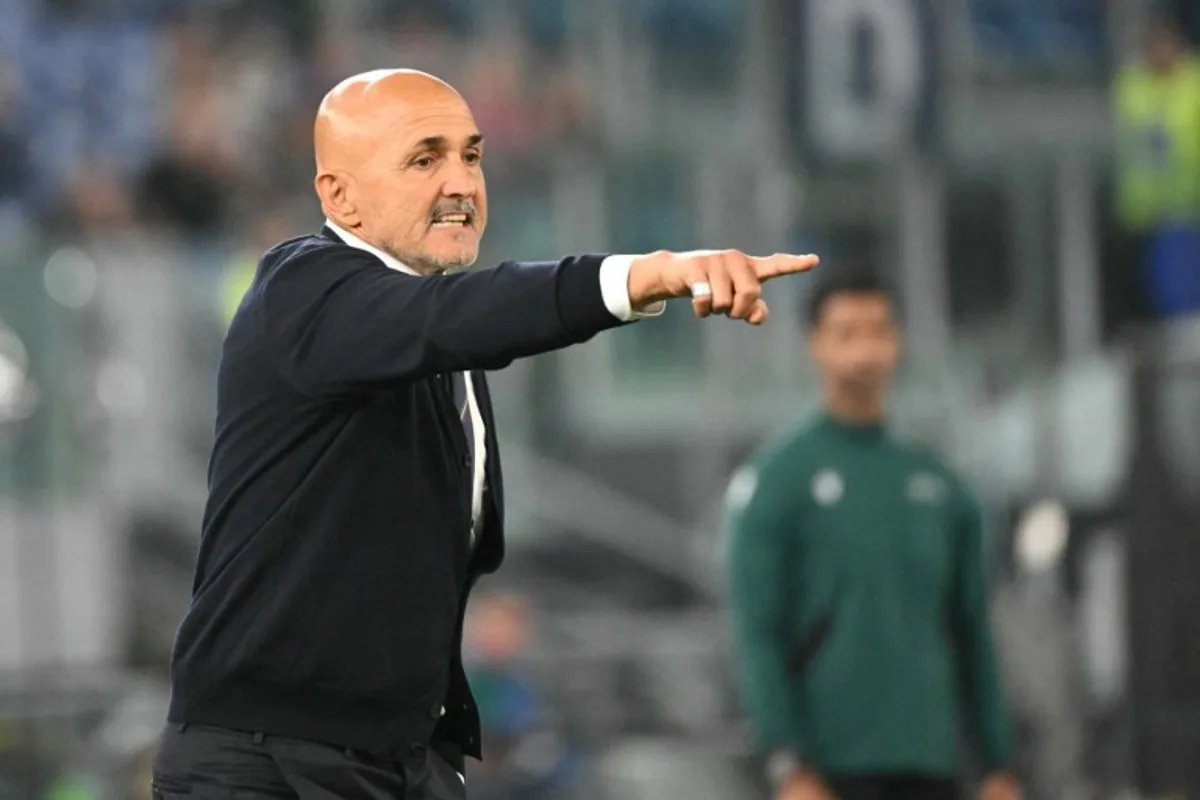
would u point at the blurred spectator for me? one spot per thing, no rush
(14, 168)
(186, 186)
(257, 87)
(1158, 122)
(524, 758)
(96, 199)
(269, 226)
(1157, 107)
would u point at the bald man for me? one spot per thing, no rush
(355, 491)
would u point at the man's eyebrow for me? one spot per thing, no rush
(442, 143)
(431, 143)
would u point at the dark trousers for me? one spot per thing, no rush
(892, 787)
(201, 763)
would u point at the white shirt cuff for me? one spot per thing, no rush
(614, 287)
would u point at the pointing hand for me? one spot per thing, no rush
(725, 282)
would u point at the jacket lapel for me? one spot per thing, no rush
(447, 415)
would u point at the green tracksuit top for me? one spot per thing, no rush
(859, 605)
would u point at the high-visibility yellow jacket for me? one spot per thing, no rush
(234, 283)
(1158, 145)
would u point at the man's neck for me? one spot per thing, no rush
(353, 239)
(1167, 68)
(855, 411)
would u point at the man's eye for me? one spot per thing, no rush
(423, 161)
(473, 158)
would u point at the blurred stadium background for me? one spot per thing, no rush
(153, 148)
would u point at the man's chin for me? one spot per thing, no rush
(867, 385)
(451, 262)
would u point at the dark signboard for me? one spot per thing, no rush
(863, 77)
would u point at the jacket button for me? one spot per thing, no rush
(437, 711)
(468, 461)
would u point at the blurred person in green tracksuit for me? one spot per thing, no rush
(857, 585)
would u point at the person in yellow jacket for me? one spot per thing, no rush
(1156, 107)
(235, 280)
(269, 227)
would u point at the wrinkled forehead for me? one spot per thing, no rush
(447, 120)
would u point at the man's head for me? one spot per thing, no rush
(399, 164)
(499, 627)
(1166, 39)
(854, 337)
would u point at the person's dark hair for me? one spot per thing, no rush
(852, 280)
(1170, 14)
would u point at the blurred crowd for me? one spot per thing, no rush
(195, 117)
(192, 117)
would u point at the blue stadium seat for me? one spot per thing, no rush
(1039, 32)
(88, 92)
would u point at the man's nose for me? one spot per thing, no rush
(460, 180)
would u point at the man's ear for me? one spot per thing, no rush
(331, 188)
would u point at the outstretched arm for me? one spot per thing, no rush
(335, 321)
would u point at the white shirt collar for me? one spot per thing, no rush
(388, 260)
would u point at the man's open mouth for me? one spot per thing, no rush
(453, 219)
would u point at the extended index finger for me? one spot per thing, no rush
(767, 267)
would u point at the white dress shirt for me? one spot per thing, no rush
(614, 288)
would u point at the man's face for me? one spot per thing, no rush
(420, 195)
(498, 629)
(855, 342)
(1165, 45)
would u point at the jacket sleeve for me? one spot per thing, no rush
(984, 700)
(756, 527)
(337, 321)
